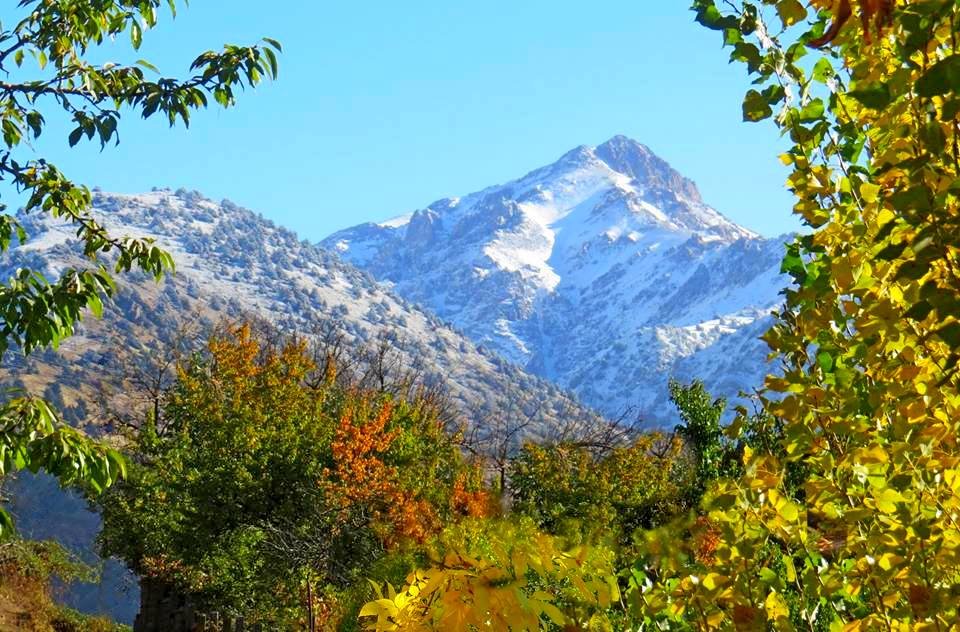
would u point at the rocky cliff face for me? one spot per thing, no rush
(604, 272)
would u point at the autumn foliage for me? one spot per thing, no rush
(264, 473)
(874, 14)
(868, 395)
(360, 477)
(502, 575)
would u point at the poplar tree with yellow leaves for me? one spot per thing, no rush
(867, 92)
(868, 538)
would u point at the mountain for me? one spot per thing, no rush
(604, 272)
(232, 263)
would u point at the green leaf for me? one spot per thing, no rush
(274, 43)
(6, 525)
(95, 305)
(755, 107)
(749, 54)
(709, 16)
(75, 136)
(876, 96)
(825, 361)
(812, 111)
(823, 70)
(143, 63)
(136, 34)
(942, 78)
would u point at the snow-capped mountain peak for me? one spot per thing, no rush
(609, 235)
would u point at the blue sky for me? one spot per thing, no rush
(383, 107)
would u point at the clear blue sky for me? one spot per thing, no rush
(383, 107)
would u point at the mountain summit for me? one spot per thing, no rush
(604, 271)
(627, 156)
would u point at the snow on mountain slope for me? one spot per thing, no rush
(231, 262)
(604, 272)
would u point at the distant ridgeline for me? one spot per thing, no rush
(233, 264)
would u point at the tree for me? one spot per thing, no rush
(43, 57)
(269, 473)
(701, 431)
(868, 397)
(569, 491)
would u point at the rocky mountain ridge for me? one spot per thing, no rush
(604, 272)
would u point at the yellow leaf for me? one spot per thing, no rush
(519, 563)
(776, 607)
(786, 508)
(791, 569)
(379, 608)
(614, 588)
(885, 216)
(712, 581)
(791, 12)
(869, 192)
(887, 500)
(888, 560)
(553, 613)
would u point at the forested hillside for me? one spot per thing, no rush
(233, 264)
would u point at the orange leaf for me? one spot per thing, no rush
(872, 12)
(842, 13)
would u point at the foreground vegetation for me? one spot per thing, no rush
(273, 483)
(28, 571)
(269, 484)
(47, 74)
